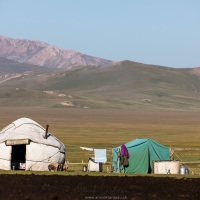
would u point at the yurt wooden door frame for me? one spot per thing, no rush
(18, 157)
(18, 153)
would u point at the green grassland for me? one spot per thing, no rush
(108, 128)
(125, 85)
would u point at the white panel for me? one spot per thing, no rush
(92, 166)
(39, 156)
(166, 167)
(5, 157)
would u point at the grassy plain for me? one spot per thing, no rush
(108, 128)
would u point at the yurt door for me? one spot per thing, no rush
(18, 157)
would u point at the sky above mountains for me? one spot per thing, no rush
(156, 32)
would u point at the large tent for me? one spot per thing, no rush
(25, 142)
(142, 154)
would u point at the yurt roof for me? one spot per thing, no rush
(25, 128)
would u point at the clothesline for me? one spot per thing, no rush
(72, 145)
(100, 155)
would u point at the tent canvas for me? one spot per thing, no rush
(24, 141)
(142, 154)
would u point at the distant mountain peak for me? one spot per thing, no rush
(42, 54)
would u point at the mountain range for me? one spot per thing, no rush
(42, 54)
(124, 84)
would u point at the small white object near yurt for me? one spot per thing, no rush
(26, 145)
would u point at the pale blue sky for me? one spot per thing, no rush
(160, 32)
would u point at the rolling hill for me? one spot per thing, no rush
(124, 85)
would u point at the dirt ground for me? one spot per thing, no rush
(97, 187)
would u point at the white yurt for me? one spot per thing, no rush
(26, 145)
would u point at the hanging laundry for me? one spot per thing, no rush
(100, 155)
(87, 149)
(124, 156)
(124, 151)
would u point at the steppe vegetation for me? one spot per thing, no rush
(100, 107)
(108, 128)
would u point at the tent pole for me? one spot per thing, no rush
(118, 160)
(46, 132)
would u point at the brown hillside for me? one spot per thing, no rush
(42, 54)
